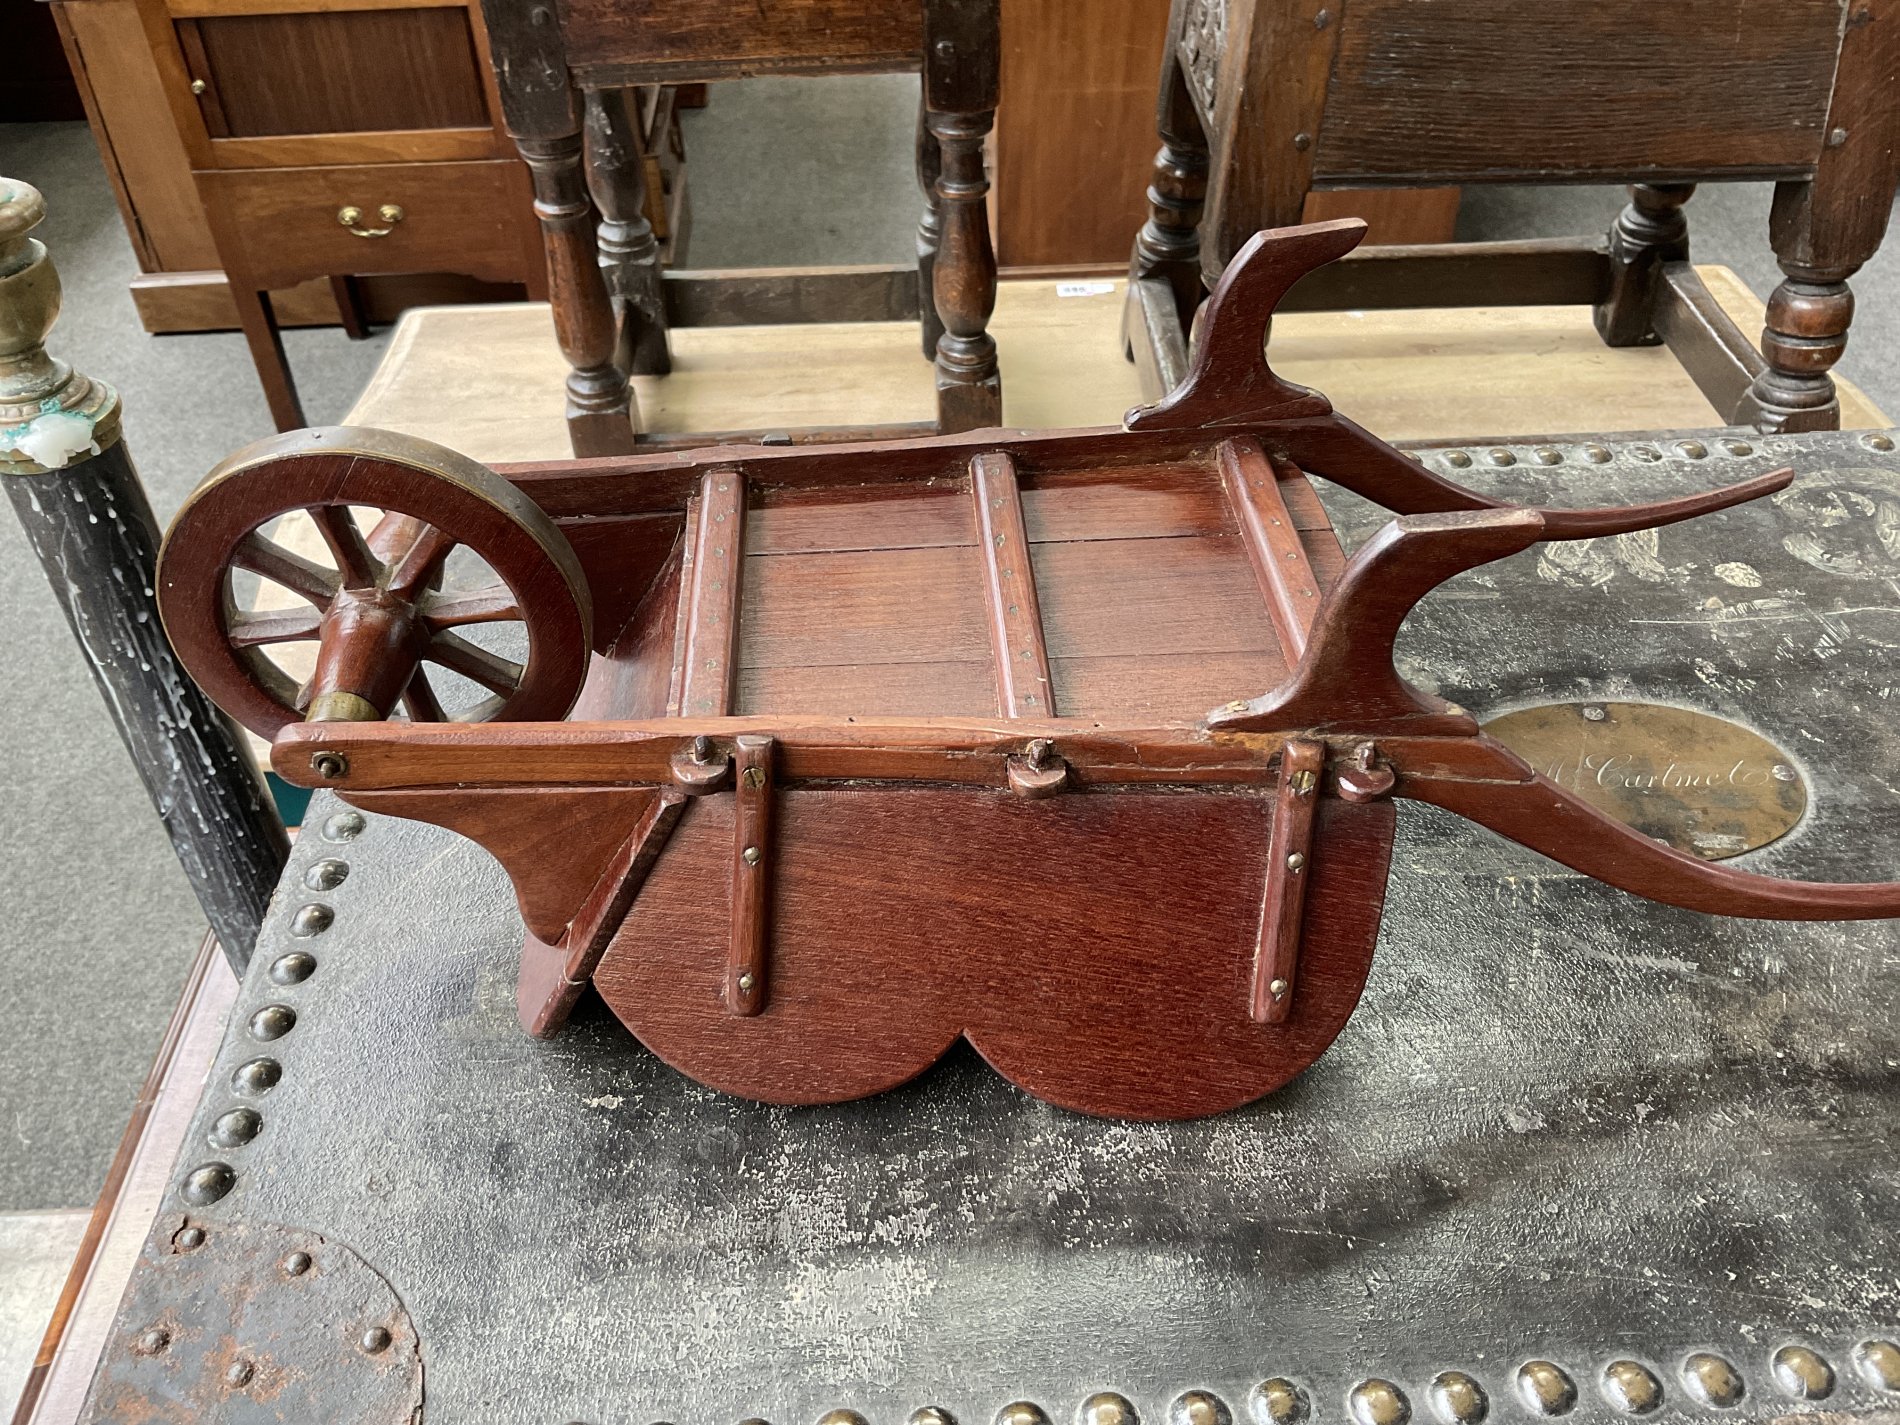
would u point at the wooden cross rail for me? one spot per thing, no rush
(1023, 685)
(1251, 481)
(709, 592)
(1283, 901)
(752, 792)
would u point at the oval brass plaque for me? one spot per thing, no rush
(1701, 784)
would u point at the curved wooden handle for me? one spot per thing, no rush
(1543, 816)
(1230, 383)
(1346, 680)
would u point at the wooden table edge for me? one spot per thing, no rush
(136, 1182)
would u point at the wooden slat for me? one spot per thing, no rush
(1023, 685)
(1152, 330)
(1532, 272)
(1283, 905)
(748, 949)
(1287, 581)
(862, 607)
(1719, 358)
(837, 521)
(1113, 597)
(1161, 687)
(710, 624)
(949, 688)
(773, 296)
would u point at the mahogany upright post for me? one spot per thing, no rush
(72, 484)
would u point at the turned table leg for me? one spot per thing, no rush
(601, 418)
(962, 54)
(1650, 231)
(929, 232)
(629, 252)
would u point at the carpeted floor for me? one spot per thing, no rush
(97, 926)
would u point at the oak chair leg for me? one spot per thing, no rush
(1168, 246)
(261, 333)
(629, 252)
(600, 408)
(1805, 330)
(929, 232)
(1804, 335)
(1649, 232)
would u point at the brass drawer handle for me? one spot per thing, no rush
(352, 217)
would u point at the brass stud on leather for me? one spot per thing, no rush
(1199, 1407)
(1878, 1364)
(1712, 1380)
(312, 919)
(1631, 1387)
(1378, 1402)
(206, 1183)
(1278, 1401)
(1458, 1399)
(1546, 1388)
(1105, 1407)
(1803, 1373)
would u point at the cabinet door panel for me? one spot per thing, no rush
(338, 71)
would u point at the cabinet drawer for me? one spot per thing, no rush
(277, 227)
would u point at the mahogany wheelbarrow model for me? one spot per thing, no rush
(877, 745)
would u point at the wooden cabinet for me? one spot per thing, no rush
(215, 117)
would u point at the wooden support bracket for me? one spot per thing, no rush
(746, 964)
(1283, 906)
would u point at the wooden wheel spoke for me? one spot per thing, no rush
(358, 565)
(272, 561)
(494, 604)
(412, 564)
(251, 629)
(477, 664)
(420, 701)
